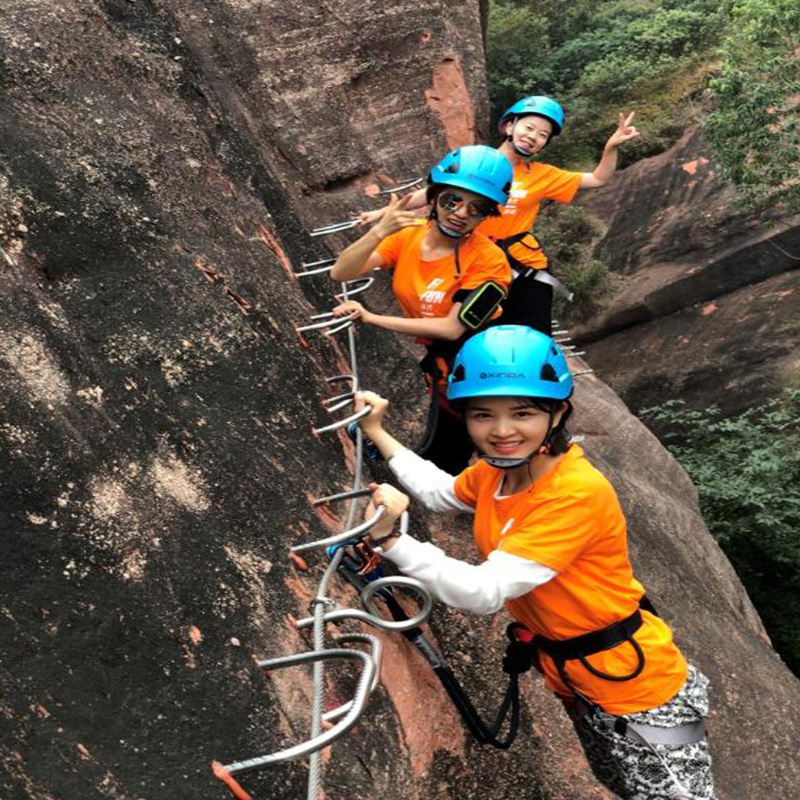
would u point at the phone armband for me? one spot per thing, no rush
(481, 303)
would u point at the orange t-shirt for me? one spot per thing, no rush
(570, 520)
(426, 288)
(532, 184)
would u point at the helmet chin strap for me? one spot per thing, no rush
(511, 463)
(525, 156)
(451, 232)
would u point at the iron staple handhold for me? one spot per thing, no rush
(342, 226)
(331, 321)
(342, 423)
(349, 495)
(341, 537)
(363, 690)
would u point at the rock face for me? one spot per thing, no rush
(158, 169)
(711, 309)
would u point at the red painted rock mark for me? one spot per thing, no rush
(299, 562)
(449, 98)
(372, 190)
(272, 243)
(709, 308)
(329, 519)
(195, 635)
(691, 166)
(426, 36)
(785, 292)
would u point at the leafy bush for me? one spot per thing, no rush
(755, 127)
(567, 235)
(747, 472)
(597, 57)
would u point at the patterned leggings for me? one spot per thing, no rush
(633, 771)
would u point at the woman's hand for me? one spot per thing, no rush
(354, 308)
(369, 217)
(624, 132)
(395, 503)
(396, 216)
(373, 422)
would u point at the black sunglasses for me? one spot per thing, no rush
(477, 209)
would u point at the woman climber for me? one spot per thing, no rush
(448, 279)
(527, 127)
(553, 537)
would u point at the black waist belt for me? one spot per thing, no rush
(508, 241)
(595, 642)
(579, 647)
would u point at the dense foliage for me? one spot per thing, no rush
(747, 472)
(598, 57)
(567, 234)
(739, 58)
(754, 127)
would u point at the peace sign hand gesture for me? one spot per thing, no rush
(624, 132)
(396, 217)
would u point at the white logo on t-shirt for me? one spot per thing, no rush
(507, 526)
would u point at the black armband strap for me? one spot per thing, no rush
(480, 304)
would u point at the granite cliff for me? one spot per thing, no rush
(159, 168)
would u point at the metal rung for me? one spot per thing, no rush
(340, 401)
(341, 537)
(343, 327)
(319, 271)
(334, 498)
(372, 616)
(561, 341)
(570, 354)
(362, 692)
(326, 323)
(401, 187)
(559, 333)
(583, 372)
(342, 378)
(343, 423)
(321, 263)
(376, 653)
(366, 283)
(342, 226)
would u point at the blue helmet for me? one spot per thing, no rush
(510, 361)
(478, 169)
(536, 104)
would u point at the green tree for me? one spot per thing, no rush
(747, 473)
(754, 128)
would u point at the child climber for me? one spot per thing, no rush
(448, 279)
(527, 127)
(552, 535)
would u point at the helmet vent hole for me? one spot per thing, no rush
(459, 374)
(549, 374)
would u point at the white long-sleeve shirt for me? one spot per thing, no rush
(480, 589)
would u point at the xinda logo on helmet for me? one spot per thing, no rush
(492, 375)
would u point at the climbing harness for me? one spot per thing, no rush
(620, 633)
(352, 557)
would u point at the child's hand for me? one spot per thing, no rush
(624, 132)
(374, 420)
(396, 216)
